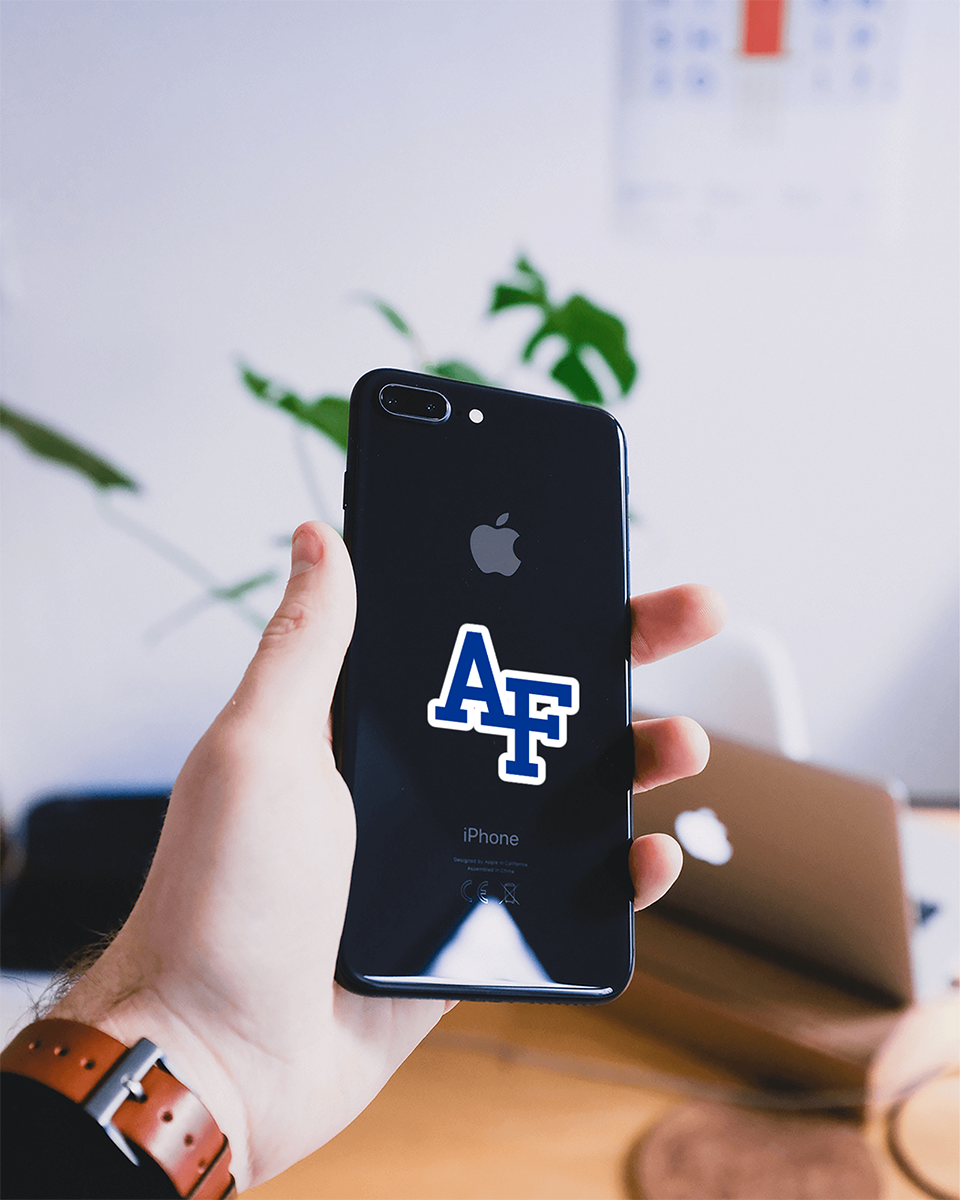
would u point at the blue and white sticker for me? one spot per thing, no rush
(528, 709)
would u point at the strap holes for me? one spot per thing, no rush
(201, 1166)
(35, 1044)
(188, 1139)
(167, 1115)
(88, 1063)
(60, 1051)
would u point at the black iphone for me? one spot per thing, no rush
(483, 715)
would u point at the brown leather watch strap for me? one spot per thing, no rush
(128, 1094)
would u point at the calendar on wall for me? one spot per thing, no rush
(760, 123)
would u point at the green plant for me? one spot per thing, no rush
(57, 447)
(578, 324)
(577, 329)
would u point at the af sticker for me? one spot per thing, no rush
(527, 709)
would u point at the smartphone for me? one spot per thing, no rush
(482, 719)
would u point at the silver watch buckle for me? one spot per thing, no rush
(121, 1083)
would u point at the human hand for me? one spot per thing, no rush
(667, 748)
(227, 959)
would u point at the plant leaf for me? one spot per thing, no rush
(256, 383)
(586, 325)
(237, 590)
(506, 296)
(575, 377)
(530, 288)
(56, 447)
(581, 324)
(329, 415)
(391, 314)
(454, 368)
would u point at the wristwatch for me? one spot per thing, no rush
(131, 1094)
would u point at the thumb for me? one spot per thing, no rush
(301, 651)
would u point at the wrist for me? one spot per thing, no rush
(128, 1012)
(140, 1106)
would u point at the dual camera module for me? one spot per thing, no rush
(419, 404)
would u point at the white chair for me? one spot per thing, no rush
(741, 683)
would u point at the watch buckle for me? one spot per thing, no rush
(122, 1082)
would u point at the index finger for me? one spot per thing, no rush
(665, 622)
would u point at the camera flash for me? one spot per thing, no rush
(476, 416)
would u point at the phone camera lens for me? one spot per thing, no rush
(414, 403)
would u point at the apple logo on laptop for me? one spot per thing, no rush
(702, 834)
(492, 548)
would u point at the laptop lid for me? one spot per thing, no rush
(796, 858)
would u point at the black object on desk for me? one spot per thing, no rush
(85, 860)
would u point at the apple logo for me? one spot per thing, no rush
(492, 548)
(702, 834)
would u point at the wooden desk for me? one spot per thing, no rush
(463, 1121)
(535, 1102)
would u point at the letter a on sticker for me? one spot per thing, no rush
(526, 708)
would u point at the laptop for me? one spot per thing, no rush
(821, 869)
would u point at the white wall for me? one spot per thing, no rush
(184, 183)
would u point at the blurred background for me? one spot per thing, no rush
(189, 185)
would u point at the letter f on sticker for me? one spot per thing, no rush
(521, 706)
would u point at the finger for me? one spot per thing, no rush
(671, 620)
(666, 749)
(301, 651)
(655, 862)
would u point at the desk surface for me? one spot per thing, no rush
(463, 1119)
(534, 1102)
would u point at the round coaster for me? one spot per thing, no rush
(922, 1136)
(708, 1152)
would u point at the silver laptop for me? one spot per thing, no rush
(822, 868)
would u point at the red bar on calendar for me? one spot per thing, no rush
(763, 22)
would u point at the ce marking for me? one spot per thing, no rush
(481, 891)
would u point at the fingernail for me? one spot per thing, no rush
(305, 552)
